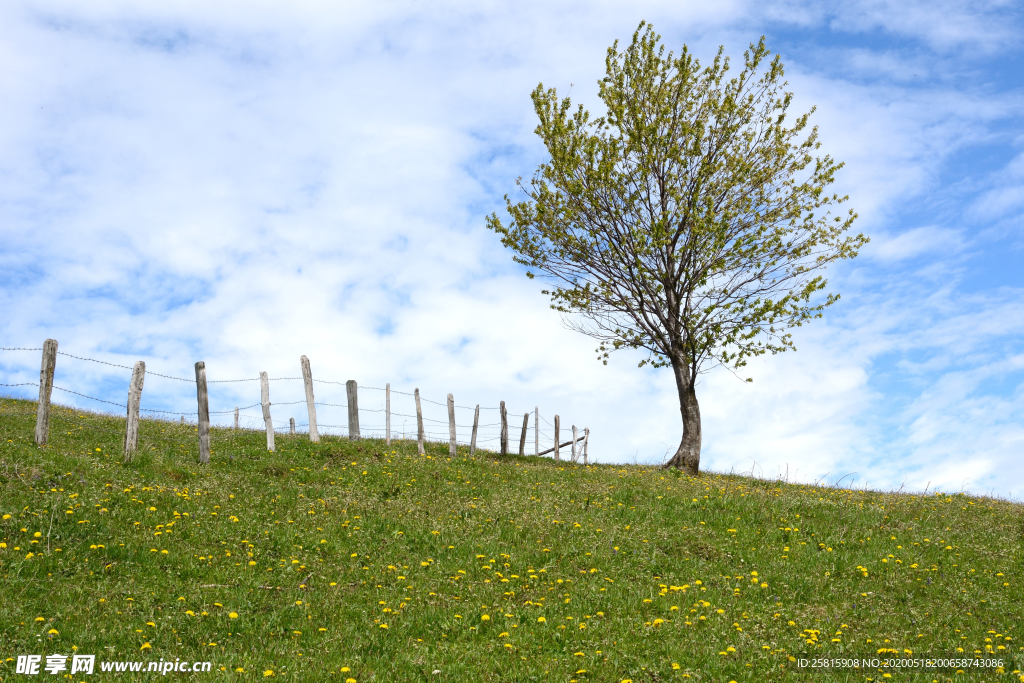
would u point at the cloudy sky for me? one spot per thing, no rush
(244, 183)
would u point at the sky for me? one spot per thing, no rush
(247, 183)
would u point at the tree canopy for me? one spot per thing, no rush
(690, 221)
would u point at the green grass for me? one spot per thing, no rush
(601, 573)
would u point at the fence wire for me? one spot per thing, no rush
(484, 431)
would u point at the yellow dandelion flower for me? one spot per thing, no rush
(541, 620)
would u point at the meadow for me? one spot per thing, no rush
(353, 561)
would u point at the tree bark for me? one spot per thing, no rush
(687, 457)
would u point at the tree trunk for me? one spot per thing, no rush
(687, 457)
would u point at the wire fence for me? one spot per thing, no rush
(372, 409)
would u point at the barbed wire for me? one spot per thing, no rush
(19, 348)
(93, 398)
(23, 384)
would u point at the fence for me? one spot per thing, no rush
(480, 434)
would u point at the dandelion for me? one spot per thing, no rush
(233, 615)
(268, 672)
(485, 617)
(541, 620)
(384, 626)
(146, 646)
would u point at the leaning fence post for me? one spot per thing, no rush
(574, 453)
(307, 379)
(387, 413)
(236, 418)
(536, 430)
(204, 413)
(352, 390)
(586, 442)
(291, 425)
(476, 424)
(131, 431)
(419, 423)
(522, 439)
(265, 401)
(452, 445)
(557, 436)
(46, 369)
(504, 429)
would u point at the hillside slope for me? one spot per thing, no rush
(349, 560)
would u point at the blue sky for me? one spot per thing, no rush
(244, 183)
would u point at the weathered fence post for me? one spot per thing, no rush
(586, 442)
(265, 401)
(387, 413)
(522, 439)
(307, 379)
(352, 392)
(476, 424)
(574, 453)
(46, 369)
(236, 418)
(452, 445)
(204, 413)
(291, 425)
(536, 430)
(182, 419)
(557, 436)
(419, 423)
(131, 430)
(504, 429)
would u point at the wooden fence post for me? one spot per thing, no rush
(46, 369)
(131, 431)
(236, 418)
(265, 401)
(204, 413)
(476, 424)
(557, 425)
(352, 391)
(419, 423)
(536, 430)
(387, 413)
(574, 453)
(182, 419)
(452, 444)
(307, 379)
(291, 425)
(504, 429)
(522, 439)
(586, 442)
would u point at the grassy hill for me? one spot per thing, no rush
(350, 560)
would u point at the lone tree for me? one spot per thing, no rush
(690, 221)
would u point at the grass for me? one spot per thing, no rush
(351, 560)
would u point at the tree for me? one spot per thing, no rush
(691, 221)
